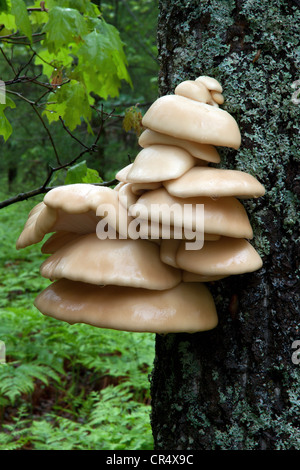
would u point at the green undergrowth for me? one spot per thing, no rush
(72, 387)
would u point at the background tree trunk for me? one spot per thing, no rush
(237, 386)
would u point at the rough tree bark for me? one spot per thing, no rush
(237, 387)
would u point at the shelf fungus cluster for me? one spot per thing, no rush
(136, 257)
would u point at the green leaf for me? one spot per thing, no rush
(5, 126)
(92, 176)
(18, 8)
(80, 173)
(71, 104)
(102, 61)
(65, 26)
(85, 7)
(51, 61)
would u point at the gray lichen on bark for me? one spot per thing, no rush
(236, 387)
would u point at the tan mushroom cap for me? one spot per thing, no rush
(150, 230)
(217, 97)
(215, 182)
(204, 152)
(184, 308)
(69, 208)
(122, 174)
(191, 120)
(125, 262)
(223, 216)
(76, 208)
(40, 221)
(220, 258)
(79, 198)
(211, 83)
(168, 251)
(193, 90)
(158, 163)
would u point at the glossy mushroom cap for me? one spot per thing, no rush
(194, 90)
(127, 262)
(204, 152)
(223, 216)
(211, 83)
(187, 119)
(220, 258)
(40, 221)
(188, 307)
(215, 182)
(158, 163)
(122, 174)
(69, 208)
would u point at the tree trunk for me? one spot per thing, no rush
(237, 386)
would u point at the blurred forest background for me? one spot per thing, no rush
(61, 386)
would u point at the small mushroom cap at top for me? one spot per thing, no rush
(193, 90)
(217, 97)
(158, 163)
(211, 83)
(222, 216)
(220, 258)
(187, 119)
(126, 262)
(204, 152)
(188, 307)
(215, 182)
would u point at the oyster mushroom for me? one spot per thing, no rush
(215, 182)
(187, 119)
(204, 152)
(137, 280)
(187, 307)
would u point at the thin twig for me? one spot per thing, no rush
(20, 96)
(44, 188)
(13, 35)
(8, 61)
(26, 65)
(70, 133)
(48, 63)
(48, 132)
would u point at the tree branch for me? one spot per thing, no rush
(43, 190)
(48, 132)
